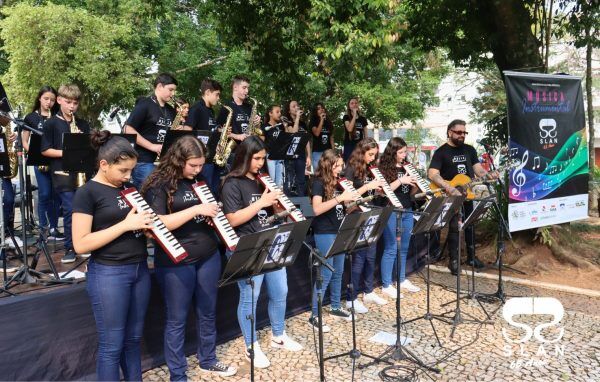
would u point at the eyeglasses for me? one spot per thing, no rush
(459, 132)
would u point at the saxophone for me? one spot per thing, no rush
(253, 128)
(12, 154)
(177, 122)
(225, 145)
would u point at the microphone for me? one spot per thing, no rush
(360, 201)
(481, 142)
(280, 215)
(269, 127)
(424, 194)
(113, 113)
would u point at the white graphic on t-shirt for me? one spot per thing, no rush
(164, 122)
(121, 203)
(160, 138)
(459, 158)
(275, 133)
(189, 196)
(244, 128)
(324, 139)
(262, 214)
(339, 212)
(461, 169)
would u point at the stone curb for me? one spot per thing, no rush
(517, 280)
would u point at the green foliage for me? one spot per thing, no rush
(544, 236)
(55, 44)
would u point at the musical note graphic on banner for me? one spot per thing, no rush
(536, 163)
(518, 177)
(513, 152)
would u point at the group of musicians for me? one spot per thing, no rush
(98, 221)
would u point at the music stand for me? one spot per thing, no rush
(437, 214)
(78, 154)
(261, 252)
(478, 212)
(172, 136)
(358, 230)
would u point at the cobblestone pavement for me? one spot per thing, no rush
(477, 352)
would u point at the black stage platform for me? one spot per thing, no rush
(51, 335)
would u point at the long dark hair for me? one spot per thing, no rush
(267, 116)
(170, 168)
(357, 158)
(112, 148)
(243, 156)
(37, 104)
(387, 161)
(325, 172)
(314, 117)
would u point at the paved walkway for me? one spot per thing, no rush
(477, 352)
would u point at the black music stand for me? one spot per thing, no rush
(262, 252)
(478, 212)
(358, 230)
(172, 136)
(78, 154)
(438, 213)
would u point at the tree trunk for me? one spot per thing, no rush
(509, 29)
(589, 95)
(548, 30)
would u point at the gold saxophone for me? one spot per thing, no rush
(177, 122)
(12, 154)
(253, 127)
(225, 145)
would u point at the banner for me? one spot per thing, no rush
(547, 137)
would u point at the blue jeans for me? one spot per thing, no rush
(334, 280)
(390, 247)
(276, 171)
(119, 295)
(348, 148)
(316, 157)
(48, 200)
(363, 264)
(140, 173)
(8, 204)
(277, 290)
(212, 176)
(179, 284)
(66, 199)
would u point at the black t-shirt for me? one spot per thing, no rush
(239, 193)
(240, 118)
(403, 191)
(35, 120)
(302, 130)
(330, 221)
(108, 208)
(271, 133)
(196, 236)
(54, 128)
(358, 183)
(201, 117)
(321, 142)
(359, 129)
(451, 161)
(151, 121)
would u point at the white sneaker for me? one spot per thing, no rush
(359, 307)
(406, 284)
(373, 297)
(85, 255)
(260, 359)
(390, 291)
(285, 342)
(11, 244)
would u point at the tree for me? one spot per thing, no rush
(470, 30)
(55, 44)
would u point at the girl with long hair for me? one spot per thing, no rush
(328, 206)
(48, 201)
(321, 128)
(363, 263)
(247, 207)
(296, 168)
(392, 169)
(118, 282)
(271, 129)
(355, 127)
(169, 192)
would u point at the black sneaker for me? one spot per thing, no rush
(341, 313)
(313, 321)
(69, 257)
(54, 234)
(475, 262)
(221, 369)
